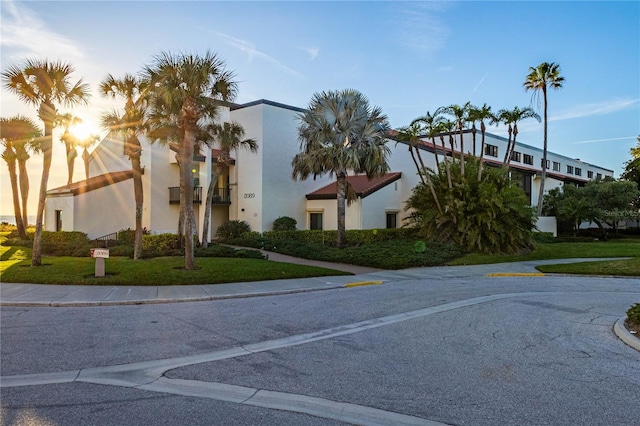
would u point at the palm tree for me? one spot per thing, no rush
(339, 133)
(131, 123)
(447, 126)
(511, 118)
(480, 114)
(461, 116)
(44, 84)
(411, 134)
(430, 122)
(67, 121)
(228, 137)
(22, 155)
(16, 132)
(539, 79)
(190, 87)
(85, 143)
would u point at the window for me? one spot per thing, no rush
(570, 169)
(491, 150)
(556, 166)
(599, 176)
(578, 171)
(542, 162)
(315, 221)
(58, 220)
(392, 220)
(590, 174)
(528, 159)
(516, 156)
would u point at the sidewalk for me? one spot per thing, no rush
(78, 295)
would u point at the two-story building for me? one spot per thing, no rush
(258, 187)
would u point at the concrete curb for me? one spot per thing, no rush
(623, 334)
(76, 304)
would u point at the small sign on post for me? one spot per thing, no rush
(100, 254)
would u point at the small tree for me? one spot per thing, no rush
(285, 223)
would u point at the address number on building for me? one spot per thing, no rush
(249, 195)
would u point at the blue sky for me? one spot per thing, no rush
(406, 57)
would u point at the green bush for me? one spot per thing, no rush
(161, 245)
(355, 237)
(634, 314)
(284, 223)
(128, 236)
(232, 229)
(216, 250)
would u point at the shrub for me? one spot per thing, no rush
(161, 245)
(284, 223)
(492, 215)
(634, 314)
(232, 229)
(216, 250)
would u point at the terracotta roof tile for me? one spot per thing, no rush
(362, 185)
(92, 183)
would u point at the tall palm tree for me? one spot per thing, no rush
(85, 143)
(447, 126)
(481, 114)
(190, 87)
(227, 137)
(341, 133)
(44, 84)
(461, 117)
(131, 123)
(16, 132)
(540, 79)
(511, 118)
(67, 121)
(22, 155)
(430, 123)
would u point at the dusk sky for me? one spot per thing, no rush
(406, 57)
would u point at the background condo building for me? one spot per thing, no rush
(258, 187)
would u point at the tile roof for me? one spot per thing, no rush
(362, 185)
(92, 183)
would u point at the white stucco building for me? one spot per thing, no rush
(258, 188)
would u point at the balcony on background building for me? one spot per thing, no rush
(174, 195)
(221, 196)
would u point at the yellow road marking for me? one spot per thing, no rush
(362, 283)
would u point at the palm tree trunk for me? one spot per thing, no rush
(420, 171)
(341, 200)
(435, 153)
(85, 158)
(13, 180)
(134, 156)
(187, 148)
(47, 148)
(70, 162)
(513, 144)
(446, 162)
(24, 189)
(506, 154)
(483, 129)
(461, 153)
(207, 208)
(543, 177)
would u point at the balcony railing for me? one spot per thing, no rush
(221, 196)
(174, 195)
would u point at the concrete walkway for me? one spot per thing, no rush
(79, 295)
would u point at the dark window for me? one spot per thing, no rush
(528, 159)
(590, 174)
(392, 220)
(599, 176)
(578, 171)
(58, 220)
(542, 162)
(516, 156)
(570, 169)
(491, 150)
(315, 221)
(556, 166)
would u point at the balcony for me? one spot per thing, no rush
(174, 195)
(221, 196)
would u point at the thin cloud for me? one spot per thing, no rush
(481, 81)
(24, 32)
(252, 52)
(313, 53)
(421, 28)
(598, 108)
(605, 140)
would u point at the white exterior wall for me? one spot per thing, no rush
(386, 200)
(64, 203)
(108, 156)
(105, 210)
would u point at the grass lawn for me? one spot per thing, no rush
(614, 248)
(15, 268)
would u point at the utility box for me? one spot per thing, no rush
(100, 254)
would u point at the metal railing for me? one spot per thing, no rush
(105, 239)
(174, 195)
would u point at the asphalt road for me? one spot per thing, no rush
(455, 348)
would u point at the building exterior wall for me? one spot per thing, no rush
(261, 185)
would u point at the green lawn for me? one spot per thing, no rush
(630, 267)
(15, 268)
